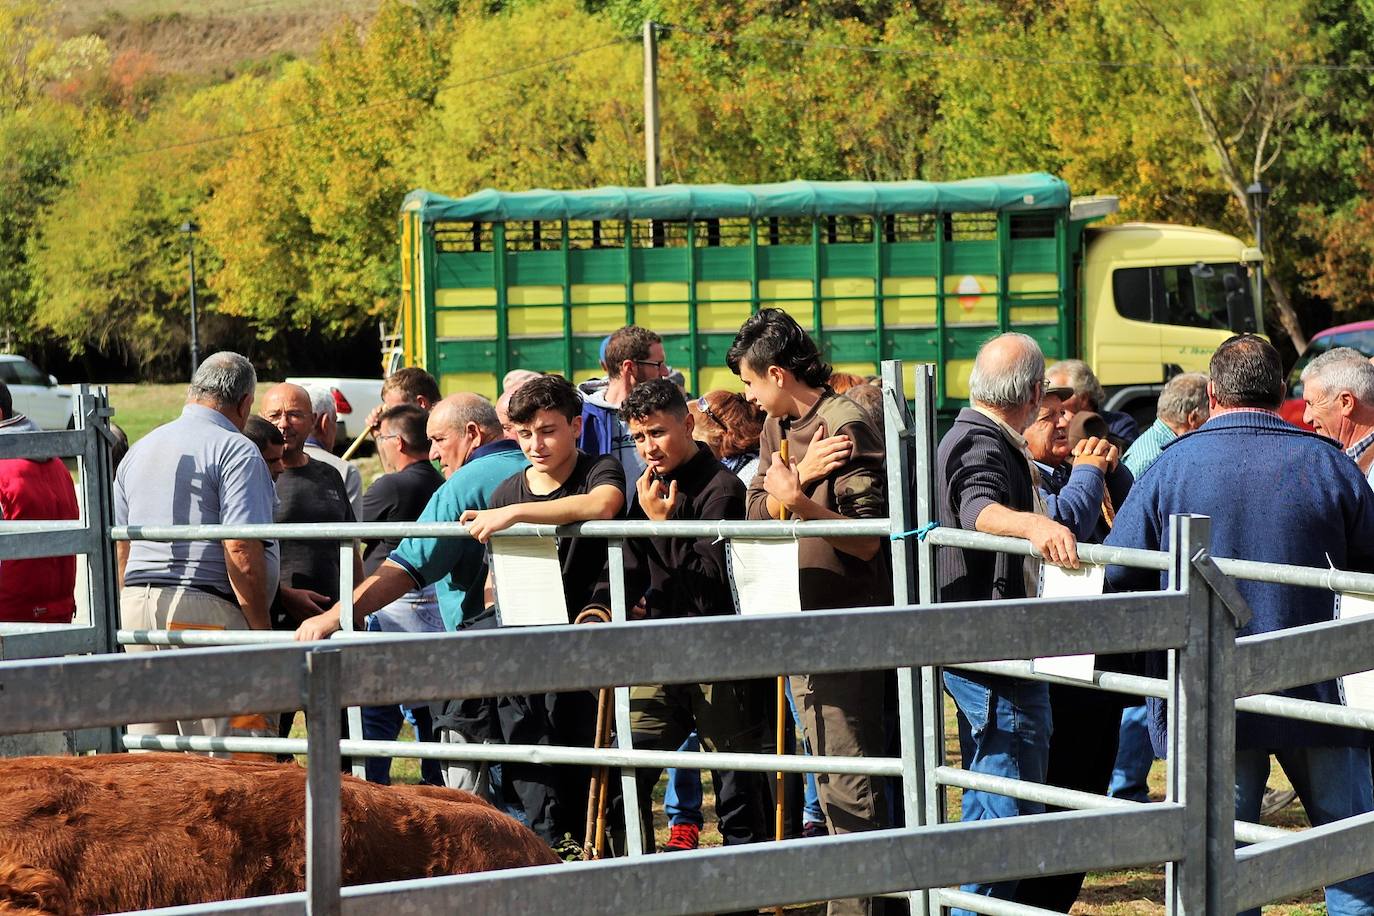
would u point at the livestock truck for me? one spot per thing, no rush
(916, 270)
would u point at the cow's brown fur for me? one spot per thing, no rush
(135, 831)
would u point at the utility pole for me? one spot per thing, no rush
(652, 176)
(190, 230)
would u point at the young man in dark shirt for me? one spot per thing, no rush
(687, 577)
(784, 374)
(561, 486)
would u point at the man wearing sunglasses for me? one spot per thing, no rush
(633, 355)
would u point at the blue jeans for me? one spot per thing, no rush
(682, 798)
(1333, 783)
(383, 723)
(1004, 730)
(1134, 757)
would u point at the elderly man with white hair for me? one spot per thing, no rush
(319, 445)
(1338, 387)
(1182, 408)
(987, 482)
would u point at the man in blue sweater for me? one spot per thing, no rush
(1276, 494)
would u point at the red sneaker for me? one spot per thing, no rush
(683, 837)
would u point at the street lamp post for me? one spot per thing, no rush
(1258, 196)
(190, 229)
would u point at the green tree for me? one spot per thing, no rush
(544, 94)
(303, 212)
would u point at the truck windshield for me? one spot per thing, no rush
(1200, 295)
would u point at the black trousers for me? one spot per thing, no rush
(1087, 724)
(554, 799)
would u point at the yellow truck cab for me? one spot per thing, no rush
(1157, 299)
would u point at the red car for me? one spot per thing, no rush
(1359, 335)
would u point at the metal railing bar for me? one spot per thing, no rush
(989, 906)
(531, 753)
(1089, 553)
(67, 443)
(191, 683)
(1304, 861)
(214, 638)
(1268, 662)
(1109, 681)
(793, 871)
(27, 641)
(321, 531)
(26, 540)
(1073, 798)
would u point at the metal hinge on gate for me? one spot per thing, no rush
(1222, 586)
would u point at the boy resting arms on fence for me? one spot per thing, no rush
(562, 485)
(784, 374)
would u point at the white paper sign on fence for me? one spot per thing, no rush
(529, 582)
(1058, 582)
(1358, 688)
(764, 576)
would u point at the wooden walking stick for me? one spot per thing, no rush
(357, 441)
(595, 831)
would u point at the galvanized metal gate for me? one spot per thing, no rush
(1193, 831)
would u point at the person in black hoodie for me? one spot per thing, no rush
(687, 577)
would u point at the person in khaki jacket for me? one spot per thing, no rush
(835, 470)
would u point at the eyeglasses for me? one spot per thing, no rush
(705, 408)
(380, 436)
(659, 364)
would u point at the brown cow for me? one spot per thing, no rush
(135, 831)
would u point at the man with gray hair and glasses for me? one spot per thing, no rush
(198, 469)
(1338, 387)
(1182, 408)
(986, 481)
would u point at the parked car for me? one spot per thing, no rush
(36, 396)
(1359, 335)
(354, 399)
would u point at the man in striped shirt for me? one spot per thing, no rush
(1182, 409)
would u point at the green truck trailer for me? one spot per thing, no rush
(921, 271)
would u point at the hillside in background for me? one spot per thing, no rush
(215, 38)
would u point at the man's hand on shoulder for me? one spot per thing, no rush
(824, 455)
(483, 523)
(1053, 542)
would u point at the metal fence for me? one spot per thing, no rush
(1193, 831)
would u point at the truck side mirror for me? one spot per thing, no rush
(1240, 315)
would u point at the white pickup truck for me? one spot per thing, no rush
(354, 399)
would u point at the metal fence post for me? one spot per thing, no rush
(911, 730)
(1186, 881)
(355, 714)
(923, 445)
(634, 834)
(91, 414)
(323, 806)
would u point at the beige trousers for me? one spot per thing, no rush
(149, 607)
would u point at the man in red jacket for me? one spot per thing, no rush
(38, 590)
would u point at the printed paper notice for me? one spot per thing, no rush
(1358, 688)
(1058, 582)
(764, 575)
(529, 582)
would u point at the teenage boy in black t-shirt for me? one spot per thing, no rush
(561, 486)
